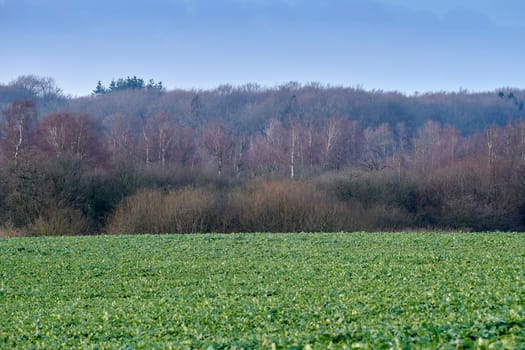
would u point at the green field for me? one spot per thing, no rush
(417, 290)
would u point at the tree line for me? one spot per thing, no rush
(290, 158)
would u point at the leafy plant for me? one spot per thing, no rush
(308, 291)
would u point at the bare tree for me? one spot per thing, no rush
(43, 87)
(122, 135)
(17, 128)
(74, 134)
(217, 142)
(164, 133)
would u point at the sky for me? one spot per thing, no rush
(403, 45)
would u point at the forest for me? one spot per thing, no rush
(135, 157)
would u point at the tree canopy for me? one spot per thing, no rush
(128, 83)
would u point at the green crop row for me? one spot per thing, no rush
(359, 290)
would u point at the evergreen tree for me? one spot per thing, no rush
(99, 89)
(129, 83)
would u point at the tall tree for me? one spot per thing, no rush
(18, 127)
(74, 134)
(123, 135)
(128, 83)
(159, 136)
(99, 89)
(40, 87)
(218, 143)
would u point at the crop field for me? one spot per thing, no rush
(306, 291)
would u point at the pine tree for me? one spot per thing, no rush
(100, 89)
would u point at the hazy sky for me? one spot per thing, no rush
(405, 45)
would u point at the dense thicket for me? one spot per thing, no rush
(290, 158)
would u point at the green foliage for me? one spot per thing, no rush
(129, 83)
(372, 291)
(99, 89)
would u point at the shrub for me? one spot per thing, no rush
(151, 211)
(373, 188)
(468, 213)
(288, 206)
(57, 220)
(385, 218)
(7, 229)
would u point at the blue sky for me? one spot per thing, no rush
(404, 45)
